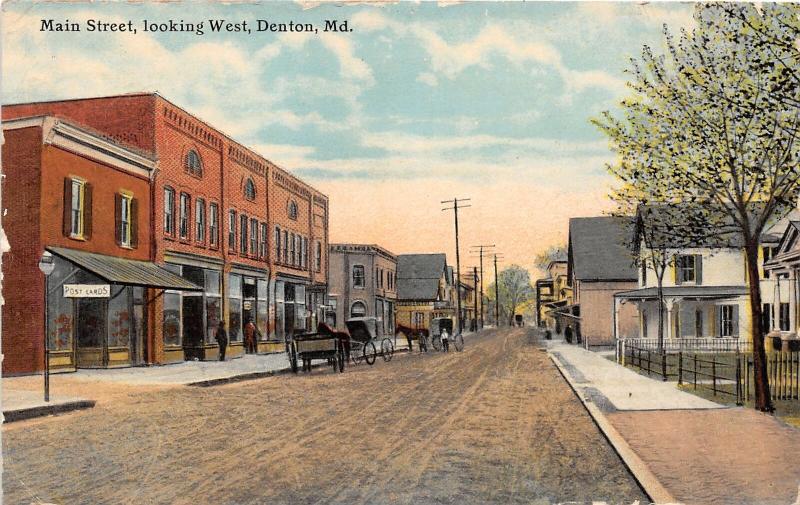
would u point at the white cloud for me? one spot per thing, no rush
(428, 78)
(492, 42)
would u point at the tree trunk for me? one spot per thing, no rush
(660, 289)
(763, 402)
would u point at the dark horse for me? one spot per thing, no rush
(344, 337)
(414, 334)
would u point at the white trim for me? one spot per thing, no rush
(68, 136)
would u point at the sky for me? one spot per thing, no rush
(415, 104)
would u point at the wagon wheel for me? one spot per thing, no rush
(370, 353)
(292, 354)
(341, 358)
(437, 342)
(356, 354)
(458, 342)
(387, 349)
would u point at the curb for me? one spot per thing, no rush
(255, 375)
(11, 416)
(638, 468)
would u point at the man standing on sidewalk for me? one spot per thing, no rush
(222, 340)
(445, 340)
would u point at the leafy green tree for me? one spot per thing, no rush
(515, 290)
(711, 127)
(552, 253)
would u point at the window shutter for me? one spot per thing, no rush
(718, 320)
(118, 218)
(87, 211)
(675, 277)
(67, 218)
(698, 269)
(735, 325)
(134, 217)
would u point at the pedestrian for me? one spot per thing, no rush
(445, 340)
(408, 339)
(222, 340)
(250, 336)
(423, 341)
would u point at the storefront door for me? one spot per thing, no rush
(90, 332)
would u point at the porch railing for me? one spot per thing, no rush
(673, 345)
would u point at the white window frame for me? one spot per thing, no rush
(77, 202)
(125, 219)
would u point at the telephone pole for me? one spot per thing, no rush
(496, 295)
(496, 292)
(454, 208)
(475, 296)
(480, 249)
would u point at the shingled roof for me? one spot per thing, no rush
(599, 249)
(418, 276)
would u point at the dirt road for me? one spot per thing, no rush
(494, 424)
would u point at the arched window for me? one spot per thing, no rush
(193, 164)
(292, 209)
(359, 309)
(250, 190)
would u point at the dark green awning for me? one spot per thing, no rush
(125, 271)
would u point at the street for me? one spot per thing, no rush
(494, 424)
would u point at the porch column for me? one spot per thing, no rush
(669, 306)
(792, 300)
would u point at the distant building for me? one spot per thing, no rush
(422, 290)
(553, 293)
(600, 264)
(363, 282)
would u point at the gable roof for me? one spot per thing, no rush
(599, 249)
(418, 276)
(421, 266)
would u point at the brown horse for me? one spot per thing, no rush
(420, 334)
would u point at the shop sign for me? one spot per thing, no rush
(87, 290)
(248, 305)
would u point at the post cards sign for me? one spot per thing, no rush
(87, 290)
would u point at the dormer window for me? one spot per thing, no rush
(292, 210)
(250, 190)
(193, 164)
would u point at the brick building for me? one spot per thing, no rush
(363, 282)
(87, 202)
(222, 217)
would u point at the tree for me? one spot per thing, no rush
(711, 127)
(515, 290)
(552, 253)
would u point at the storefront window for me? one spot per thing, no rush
(213, 304)
(119, 317)
(235, 310)
(262, 312)
(172, 319)
(280, 308)
(60, 309)
(301, 318)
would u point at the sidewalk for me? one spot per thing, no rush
(201, 373)
(21, 404)
(680, 447)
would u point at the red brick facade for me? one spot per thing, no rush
(33, 194)
(221, 172)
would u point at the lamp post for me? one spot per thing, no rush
(46, 265)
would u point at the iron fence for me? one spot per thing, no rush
(724, 372)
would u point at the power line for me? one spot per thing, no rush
(455, 202)
(480, 248)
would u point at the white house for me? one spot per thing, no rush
(705, 289)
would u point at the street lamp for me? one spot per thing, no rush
(46, 265)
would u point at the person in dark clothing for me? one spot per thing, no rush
(250, 336)
(222, 340)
